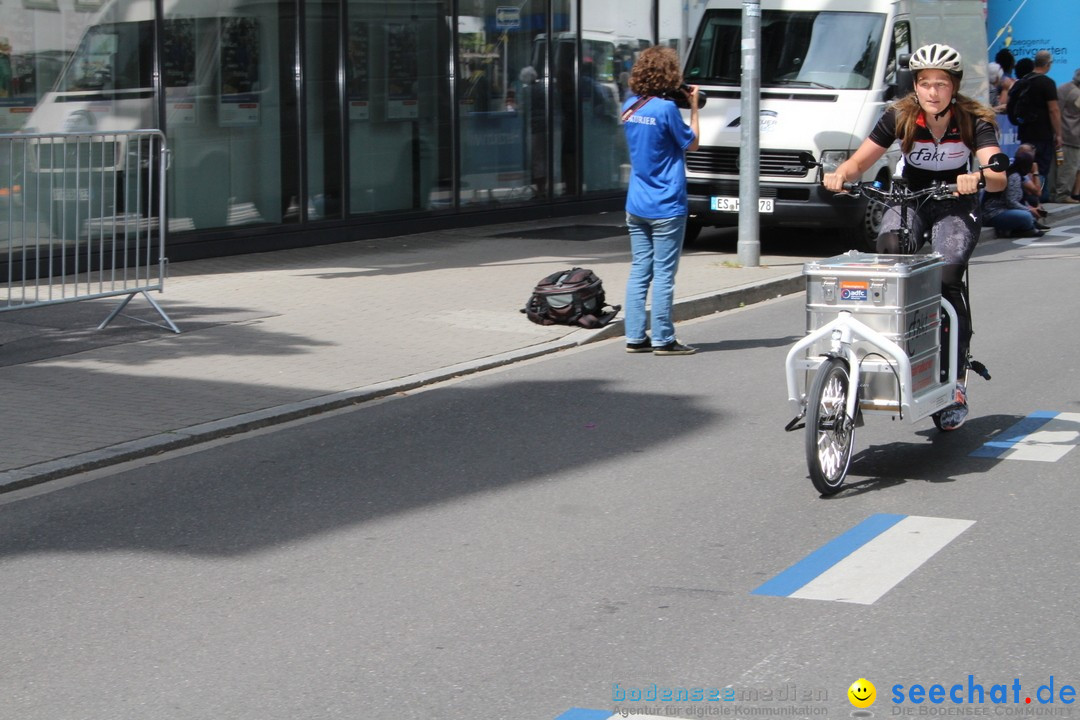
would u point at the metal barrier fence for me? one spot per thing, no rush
(82, 217)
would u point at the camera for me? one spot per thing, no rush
(681, 97)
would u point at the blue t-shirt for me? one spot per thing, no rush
(657, 137)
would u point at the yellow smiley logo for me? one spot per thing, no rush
(862, 693)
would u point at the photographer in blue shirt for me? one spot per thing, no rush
(656, 206)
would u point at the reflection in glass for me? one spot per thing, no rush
(322, 113)
(501, 101)
(223, 106)
(399, 127)
(611, 37)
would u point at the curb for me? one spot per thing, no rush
(684, 309)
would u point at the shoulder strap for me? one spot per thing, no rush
(635, 107)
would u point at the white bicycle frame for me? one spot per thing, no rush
(844, 330)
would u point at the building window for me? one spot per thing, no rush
(399, 125)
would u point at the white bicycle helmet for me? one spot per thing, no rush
(937, 57)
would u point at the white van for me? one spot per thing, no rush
(828, 70)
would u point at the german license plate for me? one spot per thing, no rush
(731, 204)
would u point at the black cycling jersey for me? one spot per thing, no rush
(930, 160)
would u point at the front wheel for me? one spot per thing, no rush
(829, 432)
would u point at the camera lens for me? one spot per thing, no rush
(681, 97)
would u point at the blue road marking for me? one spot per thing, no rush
(584, 714)
(1014, 435)
(828, 555)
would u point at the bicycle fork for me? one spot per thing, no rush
(842, 333)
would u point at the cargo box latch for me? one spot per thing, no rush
(877, 291)
(828, 290)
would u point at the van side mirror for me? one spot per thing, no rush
(905, 82)
(807, 160)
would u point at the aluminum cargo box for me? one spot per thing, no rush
(897, 295)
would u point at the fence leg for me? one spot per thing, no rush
(123, 304)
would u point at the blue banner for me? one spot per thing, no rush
(1027, 26)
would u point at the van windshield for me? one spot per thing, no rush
(835, 50)
(113, 56)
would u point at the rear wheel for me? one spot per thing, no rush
(829, 432)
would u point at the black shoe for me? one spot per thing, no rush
(1042, 226)
(640, 347)
(674, 348)
(1030, 232)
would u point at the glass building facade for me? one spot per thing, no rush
(296, 122)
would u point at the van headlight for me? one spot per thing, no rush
(831, 159)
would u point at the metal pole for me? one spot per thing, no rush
(749, 246)
(684, 38)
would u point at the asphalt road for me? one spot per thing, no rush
(545, 536)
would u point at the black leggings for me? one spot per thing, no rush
(954, 231)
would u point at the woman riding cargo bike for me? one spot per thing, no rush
(939, 131)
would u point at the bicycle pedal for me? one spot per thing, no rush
(979, 369)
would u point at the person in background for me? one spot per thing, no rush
(999, 91)
(994, 76)
(1024, 66)
(1067, 186)
(1031, 185)
(1006, 211)
(535, 100)
(1044, 132)
(656, 203)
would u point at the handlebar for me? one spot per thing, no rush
(899, 191)
(999, 162)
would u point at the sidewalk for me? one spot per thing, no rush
(272, 337)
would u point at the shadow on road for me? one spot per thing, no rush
(281, 488)
(945, 456)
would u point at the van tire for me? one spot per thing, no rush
(864, 235)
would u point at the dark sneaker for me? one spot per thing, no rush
(1030, 232)
(954, 416)
(674, 348)
(642, 346)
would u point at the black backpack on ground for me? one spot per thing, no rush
(570, 297)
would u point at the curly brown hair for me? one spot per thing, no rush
(965, 110)
(656, 71)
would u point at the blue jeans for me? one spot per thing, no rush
(655, 246)
(1009, 220)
